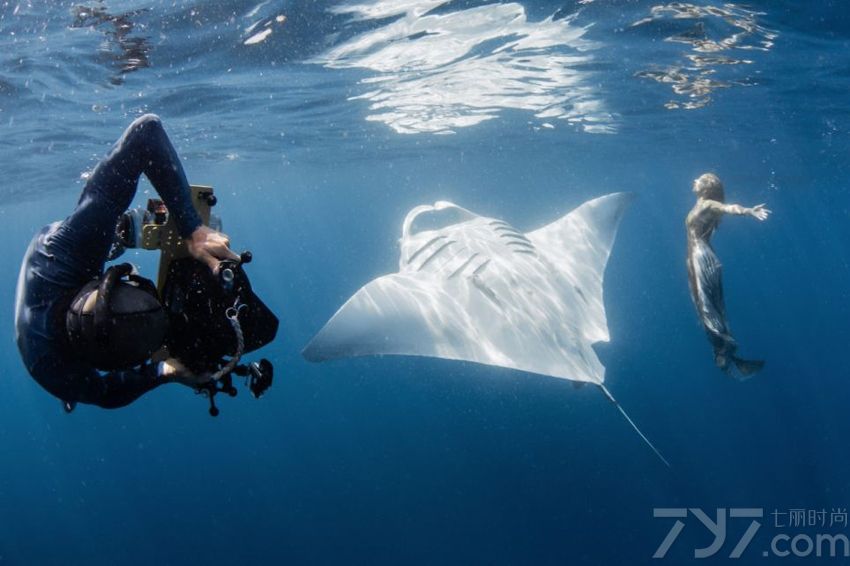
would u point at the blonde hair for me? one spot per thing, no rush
(708, 186)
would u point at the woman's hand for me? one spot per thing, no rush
(759, 212)
(210, 247)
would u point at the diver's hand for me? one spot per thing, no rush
(759, 212)
(210, 246)
(175, 372)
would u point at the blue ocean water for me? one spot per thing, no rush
(321, 123)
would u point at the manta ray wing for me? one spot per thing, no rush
(480, 291)
(579, 245)
(404, 315)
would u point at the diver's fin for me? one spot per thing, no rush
(631, 422)
(748, 368)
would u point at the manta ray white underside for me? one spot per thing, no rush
(476, 289)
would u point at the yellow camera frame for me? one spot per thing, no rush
(166, 237)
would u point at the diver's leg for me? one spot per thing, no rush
(74, 381)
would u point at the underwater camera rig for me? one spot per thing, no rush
(211, 317)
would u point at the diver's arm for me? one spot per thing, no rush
(144, 148)
(114, 389)
(168, 178)
(162, 166)
(119, 388)
(159, 161)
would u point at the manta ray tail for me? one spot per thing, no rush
(634, 426)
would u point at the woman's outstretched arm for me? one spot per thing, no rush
(759, 212)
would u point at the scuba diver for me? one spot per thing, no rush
(62, 277)
(704, 271)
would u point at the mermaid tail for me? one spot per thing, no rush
(706, 282)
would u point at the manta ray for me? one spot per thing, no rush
(476, 289)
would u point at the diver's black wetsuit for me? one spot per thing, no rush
(65, 255)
